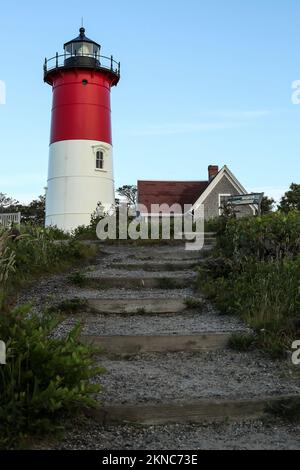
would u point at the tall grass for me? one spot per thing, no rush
(35, 251)
(44, 377)
(255, 273)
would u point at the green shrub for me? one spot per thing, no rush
(272, 236)
(255, 273)
(43, 378)
(241, 342)
(265, 294)
(53, 233)
(70, 306)
(85, 232)
(36, 251)
(286, 409)
(192, 303)
(168, 283)
(78, 278)
(213, 225)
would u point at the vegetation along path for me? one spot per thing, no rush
(171, 381)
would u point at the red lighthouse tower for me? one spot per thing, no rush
(80, 172)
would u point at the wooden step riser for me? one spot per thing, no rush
(137, 306)
(193, 256)
(155, 267)
(139, 283)
(160, 344)
(196, 412)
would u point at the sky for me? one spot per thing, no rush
(203, 82)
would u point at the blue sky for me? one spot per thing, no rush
(203, 82)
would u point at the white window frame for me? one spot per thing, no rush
(100, 150)
(220, 207)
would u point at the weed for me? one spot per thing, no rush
(242, 342)
(287, 409)
(71, 306)
(141, 311)
(78, 279)
(167, 283)
(194, 304)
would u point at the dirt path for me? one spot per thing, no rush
(171, 381)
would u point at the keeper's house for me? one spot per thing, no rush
(212, 193)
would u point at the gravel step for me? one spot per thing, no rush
(197, 412)
(146, 343)
(139, 282)
(183, 378)
(228, 435)
(131, 306)
(156, 266)
(174, 255)
(185, 322)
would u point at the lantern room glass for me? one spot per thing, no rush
(83, 48)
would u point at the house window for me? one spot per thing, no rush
(99, 160)
(223, 199)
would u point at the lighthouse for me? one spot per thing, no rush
(80, 172)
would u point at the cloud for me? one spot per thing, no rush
(216, 120)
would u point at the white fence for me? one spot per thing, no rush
(7, 220)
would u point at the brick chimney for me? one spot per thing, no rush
(213, 170)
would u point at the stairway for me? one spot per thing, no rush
(166, 362)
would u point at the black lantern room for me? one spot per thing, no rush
(82, 51)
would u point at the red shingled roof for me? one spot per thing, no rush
(170, 192)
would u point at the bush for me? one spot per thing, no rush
(84, 232)
(194, 304)
(264, 293)
(272, 236)
(78, 279)
(34, 252)
(43, 378)
(241, 342)
(71, 306)
(255, 274)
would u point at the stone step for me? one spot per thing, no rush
(139, 282)
(132, 306)
(200, 411)
(183, 323)
(120, 345)
(192, 386)
(170, 256)
(156, 266)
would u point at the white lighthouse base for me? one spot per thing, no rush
(76, 185)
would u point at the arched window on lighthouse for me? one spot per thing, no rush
(99, 160)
